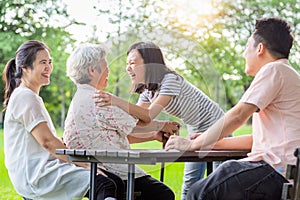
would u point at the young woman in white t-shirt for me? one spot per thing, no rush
(30, 140)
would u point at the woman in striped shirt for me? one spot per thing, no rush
(162, 89)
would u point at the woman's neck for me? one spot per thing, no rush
(30, 86)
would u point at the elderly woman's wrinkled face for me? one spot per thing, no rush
(135, 67)
(102, 83)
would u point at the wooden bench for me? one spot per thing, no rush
(291, 190)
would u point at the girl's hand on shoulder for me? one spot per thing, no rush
(102, 98)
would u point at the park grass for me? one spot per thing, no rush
(172, 177)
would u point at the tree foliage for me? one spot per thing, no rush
(204, 48)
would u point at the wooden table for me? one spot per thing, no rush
(145, 156)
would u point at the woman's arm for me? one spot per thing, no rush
(143, 113)
(46, 139)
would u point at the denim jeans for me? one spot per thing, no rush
(193, 172)
(239, 180)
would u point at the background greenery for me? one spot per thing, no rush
(204, 48)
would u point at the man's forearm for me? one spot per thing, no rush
(243, 142)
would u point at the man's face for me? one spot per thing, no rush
(251, 57)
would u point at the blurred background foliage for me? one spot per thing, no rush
(204, 47)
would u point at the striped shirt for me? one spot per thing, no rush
(189, 104)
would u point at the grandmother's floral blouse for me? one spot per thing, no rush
(88, 126)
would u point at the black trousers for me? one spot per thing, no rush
(152, 189)
(110, 186)
(114, 186)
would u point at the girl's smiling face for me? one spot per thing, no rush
(135, 67)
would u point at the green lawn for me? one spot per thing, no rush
(173, 171)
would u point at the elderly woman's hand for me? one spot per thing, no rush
(171, 128)
(160, 136)
(104, 98)
(179, 143)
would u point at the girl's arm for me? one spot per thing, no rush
(145, 137)
(164, 126)
(144, 113)
(156, 130)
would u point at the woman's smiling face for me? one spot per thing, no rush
(135, 67)
(41, 70)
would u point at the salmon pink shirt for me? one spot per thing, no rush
(275, 90)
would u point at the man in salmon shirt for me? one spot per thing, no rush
(273, 99)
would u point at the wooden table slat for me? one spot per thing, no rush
(112, 153)
(80, 152)
(123, 153)
(100, 152)
(70, 151)
(90, 152)
(145, 153)
(60, 151)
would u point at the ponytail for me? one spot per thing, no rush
(11, 77)
(12, 72)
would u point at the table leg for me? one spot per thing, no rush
(130, 182)
(209, 168)
(162, 172)
(92, 194)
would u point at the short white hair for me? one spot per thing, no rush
(81, 59)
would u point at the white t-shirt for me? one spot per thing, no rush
(34, 172)
(275, 90)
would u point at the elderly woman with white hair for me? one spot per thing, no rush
(90, 127)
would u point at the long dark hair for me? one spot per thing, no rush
(155, 66)
(12, 73)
